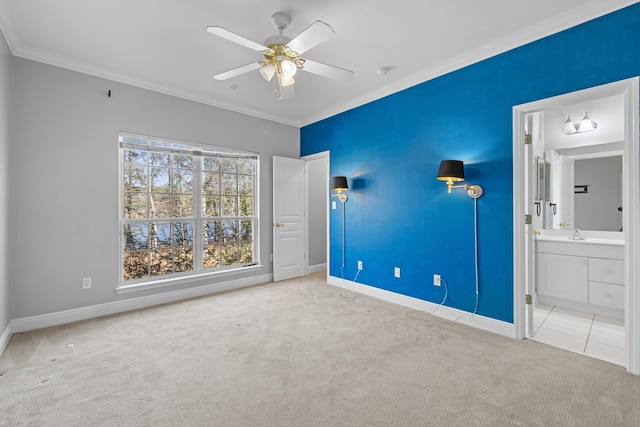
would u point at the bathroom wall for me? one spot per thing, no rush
(598, 208)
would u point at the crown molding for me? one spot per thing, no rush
(575, 17)
(77, 66)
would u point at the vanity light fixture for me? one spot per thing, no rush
(453, 171)
(585, 125)
(339, 185)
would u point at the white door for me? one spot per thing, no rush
(289, 242)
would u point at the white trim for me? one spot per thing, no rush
(6, 337)
(519, 270)
(317, 268)
(125, 287)
(83, 313)
(631, 202)
(631, 221)
(475, 320)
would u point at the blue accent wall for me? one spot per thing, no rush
(399, 215)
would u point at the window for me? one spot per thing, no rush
(185, 209)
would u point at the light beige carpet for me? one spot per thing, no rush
(301, 353)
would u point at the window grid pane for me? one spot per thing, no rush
(162, 185)
(227, 208)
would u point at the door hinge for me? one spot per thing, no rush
(527, 219)
(528, 300)
(528, 139)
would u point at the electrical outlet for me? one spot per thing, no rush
(396, 272)
(359, 265)
(86, 282)
(436, 280)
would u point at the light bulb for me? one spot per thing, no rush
(288, 68)
(286, 81)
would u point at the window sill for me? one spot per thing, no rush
(154, 284)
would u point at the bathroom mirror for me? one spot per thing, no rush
(543, 173)
(588, 189)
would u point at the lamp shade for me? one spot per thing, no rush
(267, 71)
(568, 128)
(587, 125)
(451, 170)
(339, 183)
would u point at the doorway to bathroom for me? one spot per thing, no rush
(576, 222)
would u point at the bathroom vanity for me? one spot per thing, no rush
(585, 275)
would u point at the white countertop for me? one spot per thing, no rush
(586, 240)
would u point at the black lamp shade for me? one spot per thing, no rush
(451, 170)
(339, 183)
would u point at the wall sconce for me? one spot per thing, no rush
(339, 185)
(586, 125)
(453, 171)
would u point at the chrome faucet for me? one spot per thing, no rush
(576, 234)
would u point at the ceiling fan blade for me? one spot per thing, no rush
(311, 37)
(226, 34)
(237, 71)
(327, 70)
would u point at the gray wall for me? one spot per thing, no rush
(5, 80)
(598, 209)
(64, 174)
(318, 190)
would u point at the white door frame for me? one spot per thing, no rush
(631, 203)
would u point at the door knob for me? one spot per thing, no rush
(279, 224)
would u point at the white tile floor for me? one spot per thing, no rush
(596, 336)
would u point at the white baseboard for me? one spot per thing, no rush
(316, 268)
(5, 337)
(449, 313)
(83, 313)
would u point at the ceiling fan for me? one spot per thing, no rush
(282, 55)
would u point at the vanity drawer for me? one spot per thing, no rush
(606, 270)
(606, 295)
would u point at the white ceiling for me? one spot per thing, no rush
(162, 45)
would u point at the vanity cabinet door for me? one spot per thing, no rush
(563, 276)
(606, 270)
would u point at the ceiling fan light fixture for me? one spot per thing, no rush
(282, 55)
(568, 128)
(288, 68)
(268, 71)
(286, 80)
(587, 125)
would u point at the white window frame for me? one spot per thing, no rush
(153, 144)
